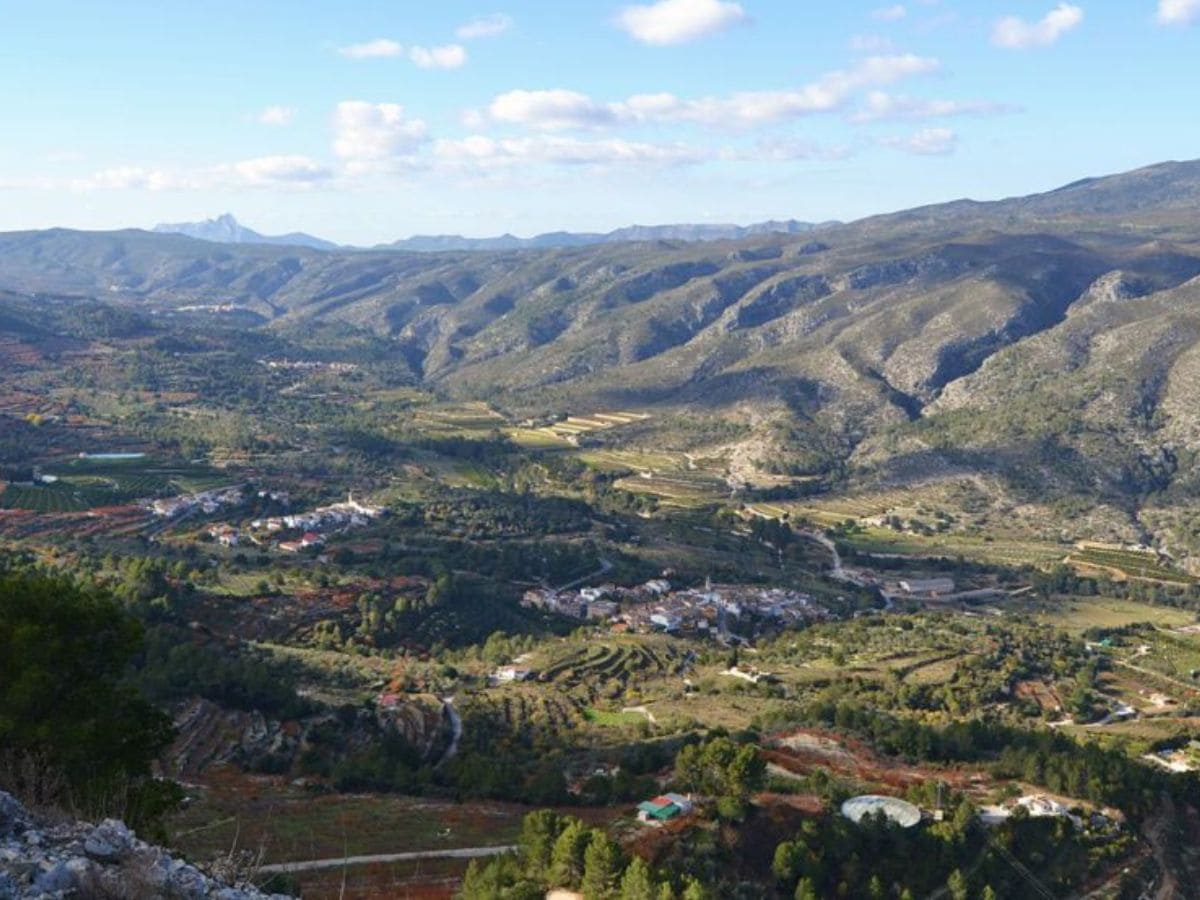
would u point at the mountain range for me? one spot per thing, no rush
(225, 229)
(1044, 348)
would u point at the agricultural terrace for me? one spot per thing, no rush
(1125, 563)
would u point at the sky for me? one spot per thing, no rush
(364, 121)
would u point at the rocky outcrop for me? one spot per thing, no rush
(51, 861)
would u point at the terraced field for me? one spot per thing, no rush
(578, 426)
(1134, 564)
(457, 419)
(684, 489)
(609, 663)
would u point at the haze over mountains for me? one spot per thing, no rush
(1048, 345)
(225, 229)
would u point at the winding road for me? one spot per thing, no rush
(456, 731)
(605, 568)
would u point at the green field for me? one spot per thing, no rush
(1078, 614)
(1129, 563)
(85, 484)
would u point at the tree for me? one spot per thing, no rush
(567, 858)
(956, 884)
(539, 831)
(65, 706)
(636, 883)
(806, 890)
(788, 861)
(601, 867)
(721, 768)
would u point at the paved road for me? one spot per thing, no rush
(605, 568)
(313, 865)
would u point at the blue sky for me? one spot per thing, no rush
(368, 121)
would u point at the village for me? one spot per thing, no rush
(657, 606)
(311, 525)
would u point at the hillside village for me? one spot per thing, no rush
(656, 606)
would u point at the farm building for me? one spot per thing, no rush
(928, 587)
(896, 810)
(512, 673)
(664, 808)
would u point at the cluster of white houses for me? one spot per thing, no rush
(350, 514)
(205, 501)
(309, 365)
(655, 606)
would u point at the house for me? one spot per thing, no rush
(663, 808)
(172, 506)
(665, 621)
(601, 609)
(929, 587)
(290, 546)
(311, 539)
(657, 587)
(511, 673)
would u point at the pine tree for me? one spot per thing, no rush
(539, 832)
(566, 860)
(636, 883)
(956, 884)
(806, 890)
(601, 867)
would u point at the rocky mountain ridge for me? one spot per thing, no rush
(52, 860)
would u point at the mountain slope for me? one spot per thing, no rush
(981, 337)
(555, 239)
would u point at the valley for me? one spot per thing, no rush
(418, 545)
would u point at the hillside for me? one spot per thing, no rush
(1048, 341)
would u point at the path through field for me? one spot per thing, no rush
(313, 865)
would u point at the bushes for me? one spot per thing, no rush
(174, 666)
(66, 707)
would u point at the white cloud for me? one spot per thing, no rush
(273, 171)
(879, 105)
(380, 48)
(926, 142)
(679, 21)
(870, 43)
(1014, 33)
(369, 134)
(551, 109)
(447, 56)
(1178, 12)
(486, 152)
(890, 13)
(484, 27)
(563, 109)
(276, 115)
(266, 172)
